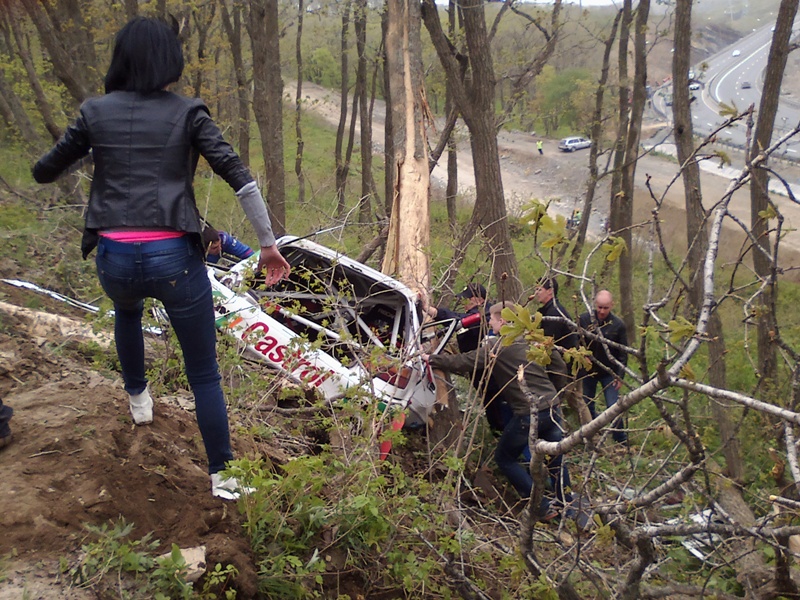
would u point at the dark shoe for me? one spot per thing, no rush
(551, 515)
(5, 441)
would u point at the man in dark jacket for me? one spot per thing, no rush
(503, 361)
(608, 362)
(546, 294)
(555, 325)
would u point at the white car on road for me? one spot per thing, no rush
(570, 144)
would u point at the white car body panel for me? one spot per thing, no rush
(376, 312)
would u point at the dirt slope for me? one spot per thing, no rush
(77, 458)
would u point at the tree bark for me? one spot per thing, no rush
(597, 129)
(203, 17)
(268, 103)
(635, 103)
(298, 107)
(13, 108)
(64, 67)
(696, 231)
(409, 225)
(342, 165)
(367, 182)
(475, 101)
(42, 104)
(451, 193)
(233, 31)
(759, 193)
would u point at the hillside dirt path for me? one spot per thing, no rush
(561, 178)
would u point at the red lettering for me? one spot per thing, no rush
(266, 344)
(278, 355)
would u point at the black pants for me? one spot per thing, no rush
(5, 417)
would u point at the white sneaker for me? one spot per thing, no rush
(142, 408)
(228, 488)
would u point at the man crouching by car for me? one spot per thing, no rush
(503, 362)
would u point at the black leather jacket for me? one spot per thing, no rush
(145, 149)
(613, 328)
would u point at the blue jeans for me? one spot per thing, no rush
(611, 394)
(515, 439)
(173, 272)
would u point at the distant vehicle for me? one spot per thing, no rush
(746, 85)
(570, 144)
(736, 53)
(691, 73)
(668, 100)
(694, 86)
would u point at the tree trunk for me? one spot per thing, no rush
(637, 100)
(342, 166)
(233, 31)
(409, 225)
(452, 151)
(64, 67)
(298, 107)
(203, 18)
(268, 103)
(621, 202)
(759, 194)
(367, 183)
(696, 232)
(42, 104)
(14, 109)
(597, 129)
(475, 102)
(390, 168)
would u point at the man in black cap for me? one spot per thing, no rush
(474, 298)
(468, 339)
(563, 335)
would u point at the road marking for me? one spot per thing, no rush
(741, 62)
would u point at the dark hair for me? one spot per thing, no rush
(549, 283)
(147, 57)
(210, 235)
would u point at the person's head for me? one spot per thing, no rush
(496, 321)
(473, 295)
(147, 57)
(603, 303)
(546, 290)
(211, 241)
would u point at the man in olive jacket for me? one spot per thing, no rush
(503, 362)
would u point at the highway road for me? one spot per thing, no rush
(734, 76)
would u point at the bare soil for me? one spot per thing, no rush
(77, 458)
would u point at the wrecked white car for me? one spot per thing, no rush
(336, 325)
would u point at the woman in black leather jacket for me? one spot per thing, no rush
(143, 219)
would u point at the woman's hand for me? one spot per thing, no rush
(272, 265)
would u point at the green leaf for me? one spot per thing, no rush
(728, 111)
(614, 248)
(768, 213)
(680, 329)
(688, 373)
